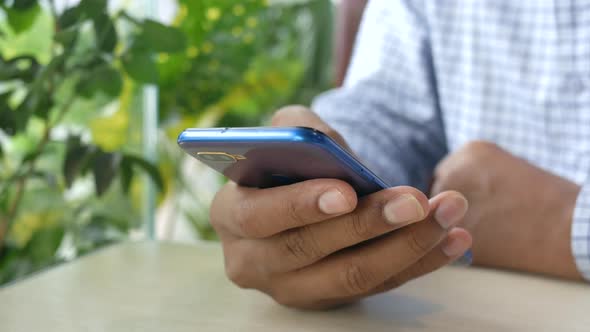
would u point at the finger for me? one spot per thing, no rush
(374, 216)
(359, 270)
(259, 213)
(302, 117)
(458, 241)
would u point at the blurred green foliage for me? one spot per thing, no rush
(244, 60)
(246, 57)
(60, 72)
(70, 100)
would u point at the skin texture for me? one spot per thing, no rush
(314, 245)
(520, 215)
(348, 19)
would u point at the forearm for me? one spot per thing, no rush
(348, 20)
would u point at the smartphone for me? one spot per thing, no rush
(265, 157)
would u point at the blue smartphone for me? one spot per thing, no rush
(265, 157)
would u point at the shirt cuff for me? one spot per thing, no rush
(581, 232)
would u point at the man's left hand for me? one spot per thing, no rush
(520, 216)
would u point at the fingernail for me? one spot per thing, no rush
(451, 211)
(333, 202)
(403, 210)
(454, 247)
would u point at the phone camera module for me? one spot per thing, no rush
(217, 157)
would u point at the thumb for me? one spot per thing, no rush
(301, 116)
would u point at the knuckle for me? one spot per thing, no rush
(475, 148)
(236, 272)
(294, 244)
(446, 171)
(215, 221)
(285, 295)
(450, 180)
(294, 214)
(242, 216)
(217, 206)
(300, 245)
(284, 115)
(358, 227)
(285, 298)
(415, 242)
(453, 176)
(356, 280)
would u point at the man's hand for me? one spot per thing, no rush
(520, 215)
(313, 245)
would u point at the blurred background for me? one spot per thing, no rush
(93, 94)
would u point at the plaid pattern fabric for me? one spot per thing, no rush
(429, 76)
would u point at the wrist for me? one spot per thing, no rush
(549, 233)
(535, 239)
(558, 256)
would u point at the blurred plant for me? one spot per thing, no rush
(244, 60)
(69, 97)
(66, 96)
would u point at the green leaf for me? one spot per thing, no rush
(104, 78)
(126, 175)
(55, 65)
(141, 67)
(4, 200)
(8, 122)
(93, 8)
(44, 104)
(44, 244)
(77, 156)
(22, 114)
(70, 17)
(24, 4)
(37, 102)
(13, 264)
(8, 70)
(19, 68)
(160, 38)
(67, 37)
(105, 168)
(147, 167)
(21, 19)
(106, 35)
(86, 9)
(103, 229)
(48, 178)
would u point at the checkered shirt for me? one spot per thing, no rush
(429, 76)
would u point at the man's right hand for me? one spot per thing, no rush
(314, 245)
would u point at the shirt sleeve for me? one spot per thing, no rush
(388, 108)
(581, 231)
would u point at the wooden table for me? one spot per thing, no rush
(168, 287)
